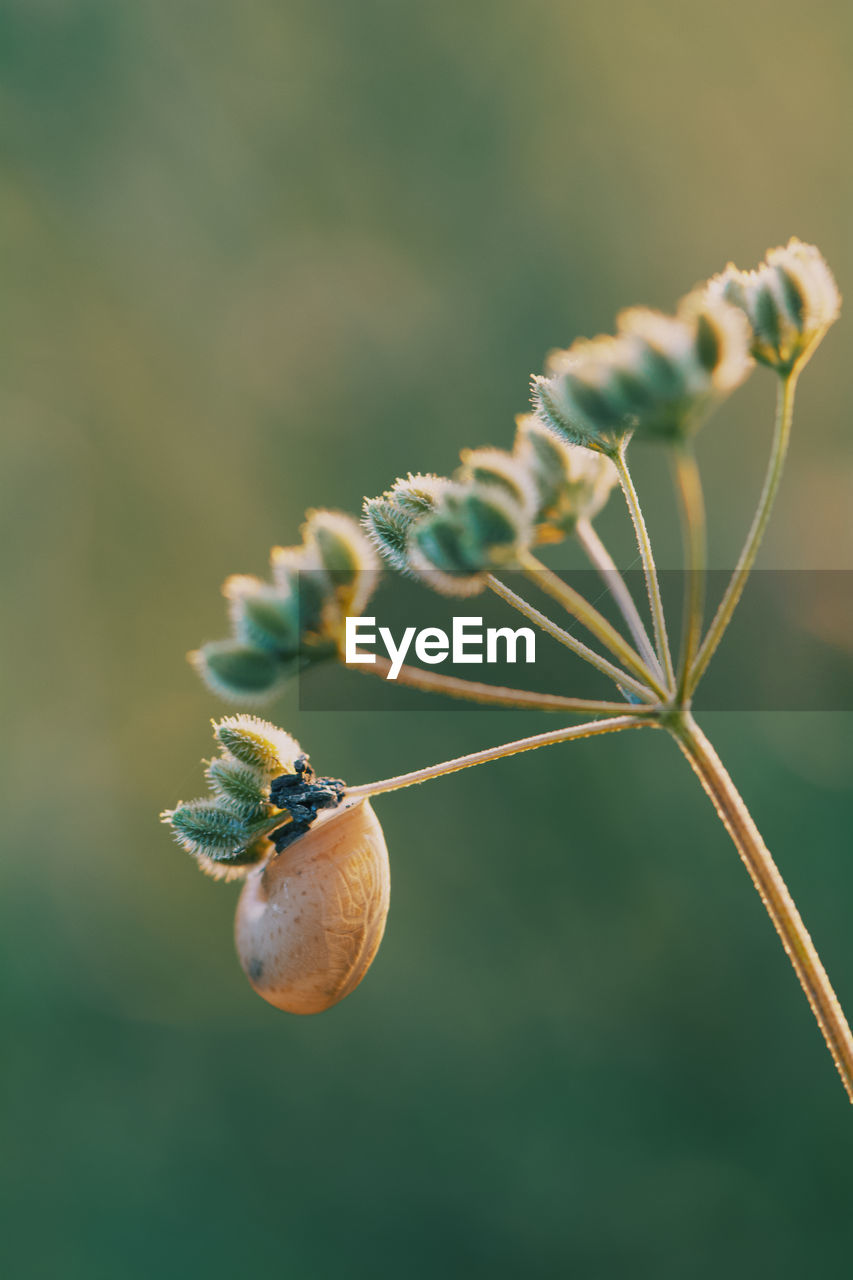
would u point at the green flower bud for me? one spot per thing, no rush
(388, 518)
(208, 830)
(659, 377)
(572, 482)
(263, 616)
(258, 744)
(237, 671)
(299, 571)
(790, 301)
(504, 471)
(689, 362)
(239, 787)
(342, 547)
(575, 402)
(473, 530)
(347, 557)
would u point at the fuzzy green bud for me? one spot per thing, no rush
(239, 787)
(572, 482)
(790, 301)
(388, 518)
(263, 616)
(257, 744)
(346, 556)
(473, 530)
(658, 377)
(237, 671)
(207, 829)
(484, 468)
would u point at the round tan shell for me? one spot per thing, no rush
(309, 921)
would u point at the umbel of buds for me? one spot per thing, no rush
(454, 531)
(790, 300)
(297, 619)
(659, 377)
(317, 885)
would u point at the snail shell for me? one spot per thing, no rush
(310, 920)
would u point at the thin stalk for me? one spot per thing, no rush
(546, 624)
(495, 695)
(737, 582)
(589, 617)
(649, 567)
(693, 524)
(589, 730)
(601, 559)
(773, 892)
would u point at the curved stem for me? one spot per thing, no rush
(693, 524)
(601, 559)
(649, 567)
(588, 616)
(593, 728)
(737, 582)
(546, 624)
(773, 892)
(495, 695)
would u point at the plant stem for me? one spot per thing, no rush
(495, 695)
(621, 678)
(588, 616)
(772, 890)
(737, 582)
(649, 567)
(602, 560)
(693, 524)
(589, 730)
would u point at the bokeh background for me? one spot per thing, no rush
(270, 255)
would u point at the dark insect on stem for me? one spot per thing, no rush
(303, 795)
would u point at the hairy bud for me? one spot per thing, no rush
(257, 743)
(239, 787)
(790, 301)
(572, 482)
(388, 518)
(238, 671)
(473, 530)
(659, 376)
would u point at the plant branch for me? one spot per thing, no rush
(494, 695)
(737, 582)
(773, 892)
(693, 525)
(588, 730)
(649, 567)
(546, 624)
(601, 559)
(589, 617)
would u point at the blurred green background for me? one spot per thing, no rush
(271, 255)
